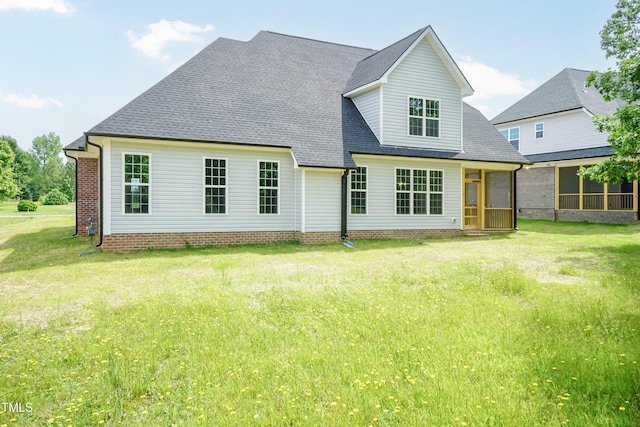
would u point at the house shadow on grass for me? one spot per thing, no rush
(52, 247)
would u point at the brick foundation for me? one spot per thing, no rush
(87, 194)
(141, 241)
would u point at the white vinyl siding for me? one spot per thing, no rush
(323, 199)
(178, 188)
(381, 195)
(369, 106)
(567, 131)
(422, 75)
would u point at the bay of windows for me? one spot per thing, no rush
(419, 192)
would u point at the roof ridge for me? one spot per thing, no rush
(318, 41)
(572, 83)
(421, 30)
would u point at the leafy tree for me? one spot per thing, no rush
(25, 168)
(46, 150)
(620, 38)
(69, 181)
(8, 188)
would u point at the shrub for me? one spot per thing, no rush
(54, 197)
(27, 206)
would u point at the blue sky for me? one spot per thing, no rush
(66, 65)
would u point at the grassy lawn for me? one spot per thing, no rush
(535, 328)
(11, 208)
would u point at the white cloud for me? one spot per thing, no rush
(34, 101)
(162, 32)
(493, 87)
(58, 6)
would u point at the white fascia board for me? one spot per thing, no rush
(362, 89)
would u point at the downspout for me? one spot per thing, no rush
(76, 159)
(515, 197)
(101, 224)
(343, 220)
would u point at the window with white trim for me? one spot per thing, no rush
(215, 186)
(539, 130)
(419, 192)
(513, 136)
(137, 181)
(424, 117)
(359, 190)
(268, 187)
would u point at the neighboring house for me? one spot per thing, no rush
(552, 127)
(284, 138)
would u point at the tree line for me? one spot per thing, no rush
(32, 174)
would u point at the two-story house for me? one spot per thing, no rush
(552, 127)
(284, 138)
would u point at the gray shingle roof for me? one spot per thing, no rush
(376, 65)
(563, 92)
(584, 153)
(282, 91)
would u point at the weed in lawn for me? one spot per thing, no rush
(453, 332)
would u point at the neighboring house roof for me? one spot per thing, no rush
(584, 153)
(563, 92)
(279, 91)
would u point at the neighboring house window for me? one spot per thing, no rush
(424, 117)
(136, 183)
(579, 193)
(419, 192)
(539, 130)
(215, 186)
(268, 187)
(513, 136)
(359, 190)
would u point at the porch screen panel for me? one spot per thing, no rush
(498, 190)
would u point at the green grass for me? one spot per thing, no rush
(11, 208)
(535, 328)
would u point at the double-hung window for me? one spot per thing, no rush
(539, 130)
(424, 117)
(137, 181)
(268, 187)
(215, 186)
(419, 192)
(513, 136)
(359, 190)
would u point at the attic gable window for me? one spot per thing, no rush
(424, 117)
